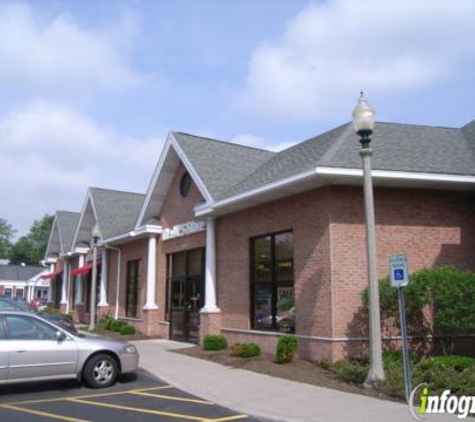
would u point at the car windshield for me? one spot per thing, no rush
(14, 305)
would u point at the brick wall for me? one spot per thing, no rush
(307, 214)
(431, 227)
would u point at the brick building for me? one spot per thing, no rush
(253, 244)
(23, 282)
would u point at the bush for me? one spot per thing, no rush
(108, 323)
(50, 310)
(351, 370)
(286, 349)
(246, 350)
(457, 363)
(127, 330)
(214, 342)
(116, 325)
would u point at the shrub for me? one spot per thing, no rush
(351, 370)
(286, 349)
(108, 323)
(116, 325)
(457, 363)
(127, 330)
(214, 342)
(449, 292)
(246, 350)
(50, 310)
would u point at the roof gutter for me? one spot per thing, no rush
(139, 232)
(331, 174)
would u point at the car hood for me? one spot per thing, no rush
(99, 342)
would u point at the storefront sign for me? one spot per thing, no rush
(183, 229)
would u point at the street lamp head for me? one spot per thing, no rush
(96, 233)
(363, 119)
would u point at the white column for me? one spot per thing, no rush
(210, 279)
(151, 273)
(79, 299)
(64, 284)
(103, 285)
(50, 289)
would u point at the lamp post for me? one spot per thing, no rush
(96, 234)
(363, 121)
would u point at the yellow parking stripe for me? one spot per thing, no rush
(160, 396)
(229, 418)
(40, 413)
(114, 393)
(138, 409)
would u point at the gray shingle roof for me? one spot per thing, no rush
(67, 222)
(402, 147)
(117, 211)
(19, 272)
(229, 169)
(289, 162)
(220, 164)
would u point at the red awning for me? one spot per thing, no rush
(82, 270)
(49, 276)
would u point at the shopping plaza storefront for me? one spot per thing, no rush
(254, 244)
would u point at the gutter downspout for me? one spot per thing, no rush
(117, 285)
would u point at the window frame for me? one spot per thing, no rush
(273, 280)
(186, 183)
(136, 289)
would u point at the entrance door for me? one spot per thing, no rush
(186, 284)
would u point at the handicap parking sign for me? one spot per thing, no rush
(398, 270)
(399, 274)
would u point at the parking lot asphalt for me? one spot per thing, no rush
(140, 397)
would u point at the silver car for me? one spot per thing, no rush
(33, 349)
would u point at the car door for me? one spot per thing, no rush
(36, 352)
(4, 354)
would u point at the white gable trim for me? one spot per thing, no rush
(88, 200)
(55, 224)
(196, 178)
(171, 142)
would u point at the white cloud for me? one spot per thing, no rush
(50, 155)
(260, 142)
(58, 54)
(331, 50)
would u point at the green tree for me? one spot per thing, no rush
(31, 248)
(6, 235)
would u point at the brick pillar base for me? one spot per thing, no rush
(79, 315)
(150, 322)
(102, 311)
(209, 324)
(62, 308)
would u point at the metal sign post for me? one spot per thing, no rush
(399, 280)
(405, 344)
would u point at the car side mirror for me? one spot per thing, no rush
(60, 336)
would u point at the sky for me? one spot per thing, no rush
(89, 90)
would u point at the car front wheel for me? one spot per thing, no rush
(100, 371)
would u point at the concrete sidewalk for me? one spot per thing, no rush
(264, 396)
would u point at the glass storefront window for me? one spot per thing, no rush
(179, 264)
(273, 282)
(285, 315)
(262, 259)
(284, 256)
(195, 262)
(263, 307)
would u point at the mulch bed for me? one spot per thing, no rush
(299, 370)
(127, 337)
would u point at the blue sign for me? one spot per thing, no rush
(399, 274)
(398, 267)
